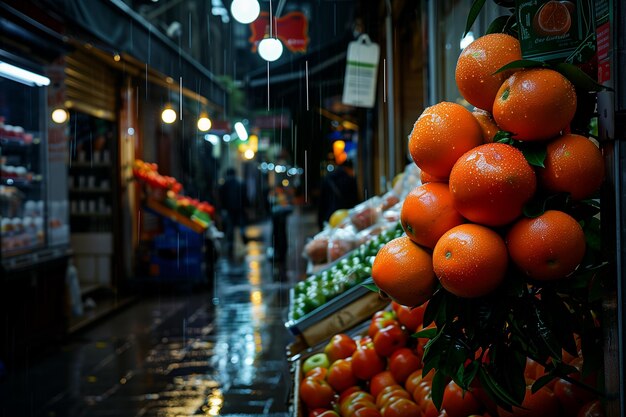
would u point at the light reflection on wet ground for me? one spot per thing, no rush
(172, 355)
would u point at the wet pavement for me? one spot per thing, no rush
(218, 351)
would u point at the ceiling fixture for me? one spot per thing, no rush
(270, 49)
(168, 115)
(22, 76)
(204, 123)
(242, 133)
(245, 11)
(59, 115)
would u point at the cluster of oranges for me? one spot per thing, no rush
(465, 225)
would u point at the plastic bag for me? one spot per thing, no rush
(367, 213)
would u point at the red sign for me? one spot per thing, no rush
(603, 40)
(292, 29)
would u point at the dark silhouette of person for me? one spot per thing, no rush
(338, 191)
(232, 203)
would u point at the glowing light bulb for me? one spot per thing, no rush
(168, 115)
(245, 11)
(270, 49)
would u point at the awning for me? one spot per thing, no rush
(122, 30)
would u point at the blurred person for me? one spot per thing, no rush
(338, 191)
(281, 206)
(232, 204)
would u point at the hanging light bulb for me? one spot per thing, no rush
(204, 123)
(168, 115)
(245, 11)
(270, 49)
(60, 115)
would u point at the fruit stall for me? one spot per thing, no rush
(178, 249)
(487, 288)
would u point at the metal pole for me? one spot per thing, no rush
(390, 95)
(432, 53)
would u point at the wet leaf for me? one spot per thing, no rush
(371, 287)
(579, 78)
(541, 382)
(469, 374)
(426, 333)
(593, 238)
(495, 390)
(544, 330)
(535, 155)
(498, 25)
(439, 386)
(521, 64)
(477, 6)
(502, 136)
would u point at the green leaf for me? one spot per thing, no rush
(439, 386)
(495, 391)
(593, 238)
(425, 334)
(498, 25)
(477, 6)
(541, 382)
(544, 330)
(432, 309)
(471, 370)
(502, 136)
(535, 155)
(371, 287)
(579, 78)
(521, 64)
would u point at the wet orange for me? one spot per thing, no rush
(573, 165)
(428, 212)
(491, 183)
(477, 64)
(487, 125)
(425, 178)
(535, 104)
(404, 271)
(558, 245)
(442, 134)
(470, 260)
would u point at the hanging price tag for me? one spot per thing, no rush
(359, 88)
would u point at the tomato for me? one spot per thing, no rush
(412, 380)
(329, 413)
(592, 409)
(401, 408)
(356, 397)
(316, 412)
(316, 393)
(402, 363)
(347, 392)
(387, 392)
(389, 339)
(457, 403)
(366, 412)
(317, 373)
(571, 397)
(542, 403)
(421, 392)
(380, 322)
(366, 362)
(411, 318)
(340, 346)
(380, 381)
(350, 409)
(340, 375)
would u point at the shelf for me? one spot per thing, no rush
(173, 215)
(19, 182)
(74, 164)
(90, 214)
(12, 145)
(90, 190)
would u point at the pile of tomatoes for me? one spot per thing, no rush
(379, 373)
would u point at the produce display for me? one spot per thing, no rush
(502, 241)
(378, 371)
(167, 190)
(347, 272)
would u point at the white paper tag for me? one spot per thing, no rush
(359, 88)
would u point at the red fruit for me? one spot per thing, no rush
(401, 408)
(366, 412)
(340, 375)
(402, 363)
(340, 346)
(389, 339)
(411, 318)
(380, 381)
(592, 409)
(366, 362)
(316, 393)
(542, 403)
(571, 397)
(381, 319)
(317, 373)
(457, 403)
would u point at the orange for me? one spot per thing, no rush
(425, 178)
(470, 260)
(491, 183)
(535, 104)
(441, 134)
(542, 403)
(573, 165)
(487, 125)
(404, 271)
(477, 64)
(553, 18)
(547, 247)
(428, 212)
